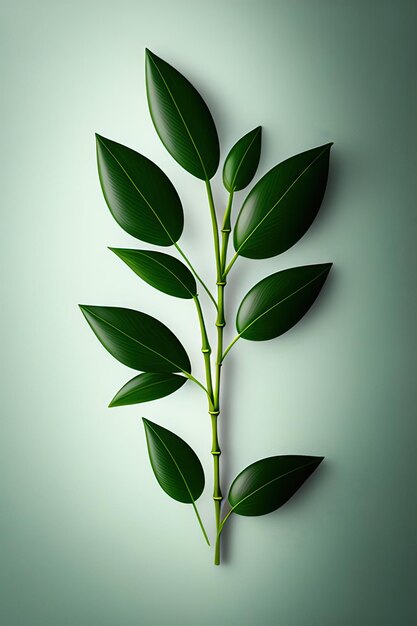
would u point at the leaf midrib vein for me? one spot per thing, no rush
(270, 482)
(175, 463)
(243, 157)
(145, 386)
(137, 189)
(181, 117)
(283, 300)
(279, 200)
(136, 341)
(166, 268)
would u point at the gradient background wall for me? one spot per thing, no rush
(87, 536)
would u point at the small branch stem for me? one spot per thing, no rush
(200, 280)
(232, 262)
(230, 346)
(201, 523)
(222, 523)
(206, 350)
(197, 382)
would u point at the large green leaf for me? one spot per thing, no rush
(181, 118)
(175, 465)
(137, 339)
(267, 484)
(141, 198)
(279, 301)
(242, 161)
(146, 387)
(282, 205)
(160, 270)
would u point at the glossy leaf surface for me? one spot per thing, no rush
(146, 387)
(282, 205)
(141, 198)
(269, 483)
(181, 118)
(137, 339)
(160, 270)
(242, 161)
(279, 301)
(175, 465)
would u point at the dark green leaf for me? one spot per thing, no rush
(242, 161)
(181, 118)
(176, 466)
(137, 339)
(146, 387)
(282, 205)
(267, 484)
(279, 301)
(160, 270)
(141, 198)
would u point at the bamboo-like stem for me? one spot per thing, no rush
(215, 230)
(226, 230)
(206, 350)
(214, 410)
(217, 494)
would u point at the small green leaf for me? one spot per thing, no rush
(137, 339)
(279, 301)
(146, 387)
(282, 205)
(181, 118)
(175, 465)
(160, 270)
(141, 198)
(242, 161)
(269, 483)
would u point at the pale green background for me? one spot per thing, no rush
(87, 537)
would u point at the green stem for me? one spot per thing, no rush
(206, 350)
(186, 259)
(226, 230)
(201, 523)
(215, 229)
(215, 450)
(197, 382)
(221, 525)
(214, 409)
(230, 346)
(232, 262)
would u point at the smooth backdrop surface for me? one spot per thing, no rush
(87, 537)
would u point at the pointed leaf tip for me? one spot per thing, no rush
(181, 118)
(266, 485)
(282, 205)
(175, 464)
(279, 301)
(242, 161)
(140, 196)
(137, 339)
(147, 387)
(162, 271)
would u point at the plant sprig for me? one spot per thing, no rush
(276, 213)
